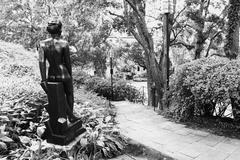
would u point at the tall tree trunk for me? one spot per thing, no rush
(142, 35)
(199, 37)
(231, 47)
(149, 89)
(235, 46)
(199, 44)
(155, 79)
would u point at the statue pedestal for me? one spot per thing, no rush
(58, 129)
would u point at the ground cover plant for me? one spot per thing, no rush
(22, 113)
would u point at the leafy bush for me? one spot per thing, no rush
(205, 87)
(79, 77)
(102, 143)
(121, 89)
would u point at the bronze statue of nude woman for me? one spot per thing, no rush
(56, 51)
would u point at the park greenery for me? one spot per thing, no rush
(206, 87)
(22, 113)
(121, 90)
(204, 58)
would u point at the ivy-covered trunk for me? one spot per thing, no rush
(231, 47)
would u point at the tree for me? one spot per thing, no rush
(232, 38)
(132, 52)
(21, 23)
(85, 26)
(199, 22)
(232, 48)
(134, 21)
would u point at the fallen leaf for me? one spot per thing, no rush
(105, 152)
(16, 120)
(25, 139)
(100, 143)
(6, 139)
(108, 118)
(46, 145)
(2, 130)
(35, 146)
(83, 141)
(40, 130)
(3, 146)
(4, 118)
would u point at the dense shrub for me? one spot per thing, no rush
(121, 89)
(79, 76)
(205, 87)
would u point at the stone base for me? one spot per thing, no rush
(58, 131)
(72, 131)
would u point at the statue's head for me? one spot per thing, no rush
(54, 27)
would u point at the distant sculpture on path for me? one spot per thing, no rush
(58, 84)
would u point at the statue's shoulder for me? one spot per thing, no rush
(45, 43)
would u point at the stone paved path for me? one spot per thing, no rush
(145, 126)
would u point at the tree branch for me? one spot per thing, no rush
(176, 34)
(211, 41)
(189, 47)
(206, 8)
(217, 54)
(217, 23)
(179, 13)
(135, 9)
(187, 25)
(117, 15)
(134, 33)
(138, 38)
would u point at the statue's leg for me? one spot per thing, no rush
(68, 87)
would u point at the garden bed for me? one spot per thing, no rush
(22, 113)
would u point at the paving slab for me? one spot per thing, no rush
(235, 155)
(141, 124)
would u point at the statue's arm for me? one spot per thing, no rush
(42, 63)
(67, 59)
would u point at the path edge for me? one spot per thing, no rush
(135, 148)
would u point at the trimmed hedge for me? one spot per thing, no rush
(205, 87)
(121, 89)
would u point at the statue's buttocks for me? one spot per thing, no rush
(55, 53)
